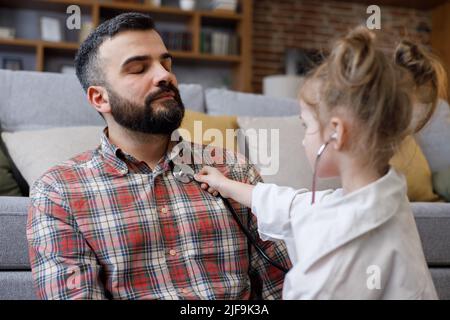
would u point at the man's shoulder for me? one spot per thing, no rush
(68, 171)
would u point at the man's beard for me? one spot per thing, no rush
(160, 117)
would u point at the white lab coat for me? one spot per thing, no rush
(363, 245)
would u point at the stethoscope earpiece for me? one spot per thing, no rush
(334, 136)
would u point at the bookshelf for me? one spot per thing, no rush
(193, 22)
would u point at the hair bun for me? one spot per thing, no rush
(410, 56)
(353, 57)
(429, 76)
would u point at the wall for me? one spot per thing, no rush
(282, 24)
(440, 36)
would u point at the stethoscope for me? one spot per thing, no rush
(316, 164)
(185, 174)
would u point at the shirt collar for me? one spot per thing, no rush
(117, 158)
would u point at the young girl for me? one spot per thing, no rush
(361, 241)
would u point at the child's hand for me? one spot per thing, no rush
(212, 180)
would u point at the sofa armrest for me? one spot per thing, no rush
(13, 242)
(433, 223)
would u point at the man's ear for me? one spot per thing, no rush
(98, 98)
(339, 128)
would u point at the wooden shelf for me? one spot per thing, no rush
(117, 5)
(195, 20)
(18, 42)
(36, 43)
(220, 14)
(44, 4)
(74, 46)
(60, 45)
(127, 6)
(204, 56)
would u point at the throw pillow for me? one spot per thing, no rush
(8, 185)
(210, 130)
(221, 102)
(434, 138)
(36, 151)
(441, 183)
(411, 161)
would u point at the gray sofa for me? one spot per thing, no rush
(33, 101)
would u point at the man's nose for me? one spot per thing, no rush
(161, 75)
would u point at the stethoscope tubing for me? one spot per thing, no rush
(251, 238)
(180, 176)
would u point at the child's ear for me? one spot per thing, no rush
(338, 133)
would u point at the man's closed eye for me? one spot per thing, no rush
(137, 69)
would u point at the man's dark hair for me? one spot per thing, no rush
(87, 65)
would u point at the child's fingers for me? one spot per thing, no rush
(204, 186)
(198, 177)
(205, 170)
(211, 190)
(201, 176)
(215, 193)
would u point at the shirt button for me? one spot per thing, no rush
(164, 210)
(172, 252)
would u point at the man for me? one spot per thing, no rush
(114, 222)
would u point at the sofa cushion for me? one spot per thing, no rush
(37, 100)
(434, 138)
(220, 101)
(274, 145)
(433, 223)
(441, 280)
(17, 285)
(410, 161)
(193, 97)
(441, 183)
(54, 146)
(13, 243)
(432, 219)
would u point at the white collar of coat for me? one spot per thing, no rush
(344, 218)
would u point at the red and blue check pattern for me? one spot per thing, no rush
(103, 225)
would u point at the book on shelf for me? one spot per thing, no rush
(177, 40)
(219, 43)
(229, 5)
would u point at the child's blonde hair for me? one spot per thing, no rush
(360, 81)
(430, 77)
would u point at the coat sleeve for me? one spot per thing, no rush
(63, 265)
(273, 207)
(270, 278)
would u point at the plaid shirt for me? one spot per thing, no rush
(104, 225)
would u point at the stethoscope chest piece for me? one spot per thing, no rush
(183, 173)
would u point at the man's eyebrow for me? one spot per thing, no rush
(163, 56)
(135, 58)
